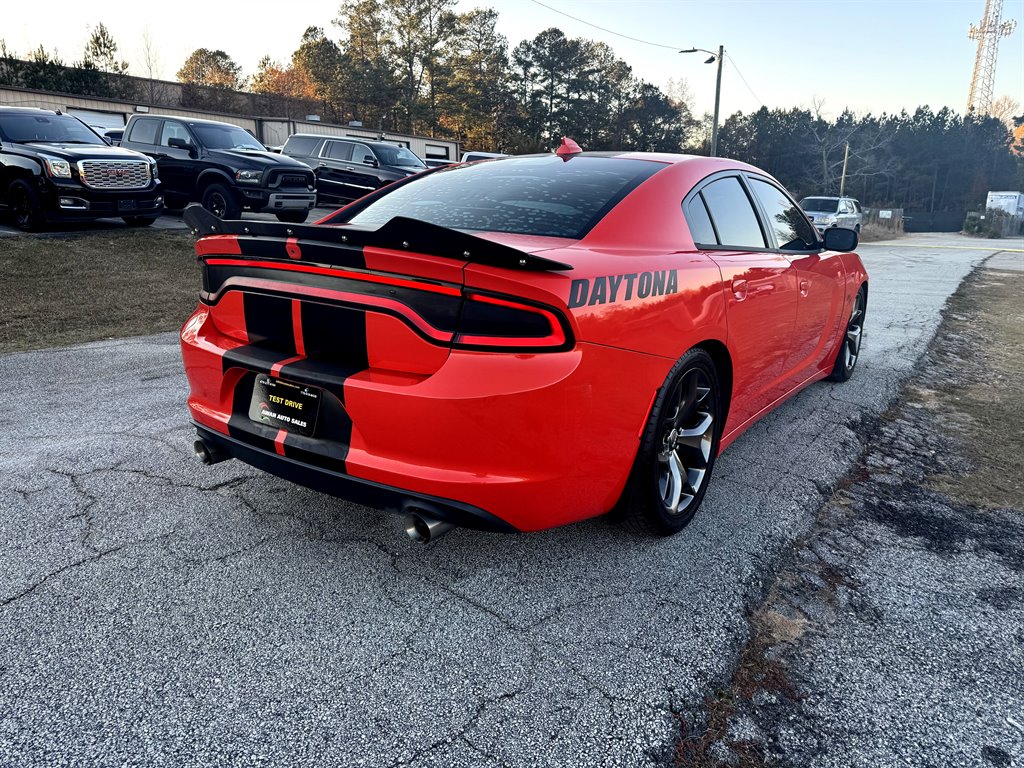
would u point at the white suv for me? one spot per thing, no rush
(827, 212)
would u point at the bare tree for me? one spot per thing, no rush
(1005, 108)
(156, 90)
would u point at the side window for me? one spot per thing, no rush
(361, 153)
(701, 228)
(173, 130)
(792, 231)
(732, 214)
(338, 150)
(844, 207)
(144, 130)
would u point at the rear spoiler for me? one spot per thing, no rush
(400, 234)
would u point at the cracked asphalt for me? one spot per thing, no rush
(156, 612)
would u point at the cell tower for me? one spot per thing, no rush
(987, 33)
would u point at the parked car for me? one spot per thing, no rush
(54, 168)
(222, 167)
(469, 157)
(521, 344)
(347, 169)
(826, 212)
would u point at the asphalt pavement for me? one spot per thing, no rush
(156, 612)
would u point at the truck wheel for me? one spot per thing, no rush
(138, 221)
(28, 216)
(219, 201)
(292, 217)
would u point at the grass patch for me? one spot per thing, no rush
(67, 289)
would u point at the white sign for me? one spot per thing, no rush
(885, 214)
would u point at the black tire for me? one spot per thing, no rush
(26, 212)
(677, 454)
(849, 350)
(221, 202)
(138, 221)
(292, 217)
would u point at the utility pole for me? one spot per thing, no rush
(720, 57)
(718, 98)
(987, 33)
(842, 181)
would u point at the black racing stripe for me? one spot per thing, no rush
(268, 321)
(338, 255)
(268, 324)
(336, 334)
(334, 339)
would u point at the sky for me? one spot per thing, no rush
(868, 55)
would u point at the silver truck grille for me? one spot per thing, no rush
(114, 174)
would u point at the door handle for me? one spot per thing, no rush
(322, 165)
(739, 289)
(805, 287)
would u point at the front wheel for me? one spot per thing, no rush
(220, 201)
(849, 350)
(677, 454)
(28, 215)
(292, 217)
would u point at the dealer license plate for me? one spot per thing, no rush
(284, 405)
(126, 205)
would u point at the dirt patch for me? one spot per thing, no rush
(984, 405)
(67, 289)
(941, 482)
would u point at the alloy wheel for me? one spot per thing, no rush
(687, 438)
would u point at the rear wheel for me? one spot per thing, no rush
(673, 466)
(849, 350)
(219, 201)
(292, 217)
(28, 215)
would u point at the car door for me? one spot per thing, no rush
(177, 167)
(332, 169)
(366, 177)
(820, 281)
(760, 289)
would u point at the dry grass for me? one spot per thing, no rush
(67, 289)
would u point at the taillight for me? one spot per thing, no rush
(489, 322)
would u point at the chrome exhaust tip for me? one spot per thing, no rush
(424, 529)
(208, 454)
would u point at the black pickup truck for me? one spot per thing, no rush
(222, 167)
(54, 168)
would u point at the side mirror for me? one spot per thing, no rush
(178, 143)
(840, 239)
(370, 161)
(107, 141)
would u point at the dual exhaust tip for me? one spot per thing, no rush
(420, 526)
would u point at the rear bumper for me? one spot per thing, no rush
(523, 441)
(353, 488)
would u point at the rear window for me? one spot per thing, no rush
(820, 204)
(300, 145)
(529, 195)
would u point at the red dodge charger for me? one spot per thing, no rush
(519, 343)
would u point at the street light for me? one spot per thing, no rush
(718, 89)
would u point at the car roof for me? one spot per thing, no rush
(359, 139)
(189, 120)
(28, 110)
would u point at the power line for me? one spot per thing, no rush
(604, 29)
(732, 62)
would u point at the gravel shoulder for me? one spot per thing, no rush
(893, 633)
